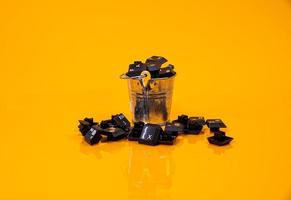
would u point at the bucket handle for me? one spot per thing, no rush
(124, 76)
(144, 78)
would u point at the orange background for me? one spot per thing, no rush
(60, 62)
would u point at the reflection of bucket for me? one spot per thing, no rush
(150, 99)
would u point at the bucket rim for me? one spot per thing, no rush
(124, 76)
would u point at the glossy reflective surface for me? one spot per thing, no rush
(151, 102)
(61, 60)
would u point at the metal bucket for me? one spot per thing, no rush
(150, 98)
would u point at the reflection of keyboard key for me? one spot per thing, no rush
(167, 138)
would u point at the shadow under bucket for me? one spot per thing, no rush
(150, 98)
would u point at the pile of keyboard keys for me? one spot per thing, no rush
(119, 127)
(154, 66)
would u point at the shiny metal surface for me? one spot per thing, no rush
(150, 100)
